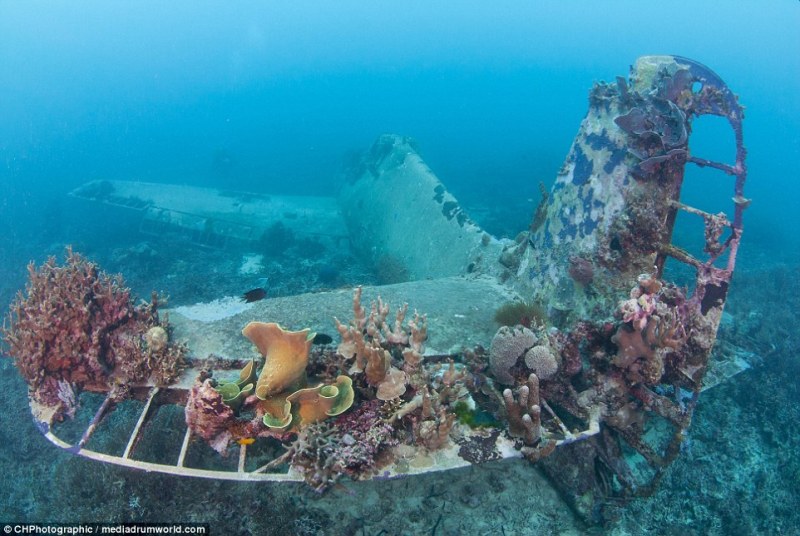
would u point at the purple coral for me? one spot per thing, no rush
(324, 451)
(658, 135)
(364, 433)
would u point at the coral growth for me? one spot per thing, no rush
(433, 430)
(524, 413)
(351, 446)
(236, 392)
(156, 338)
(282, 403)
(393, 385)
(76, 325)
(369, 338)
(377, 345)
(522, 313)
(581, 270)
(508, 345)
(658, 136)
(599, 373)
(542, 361)
(286, 355)
(650, 329)
(391, 395)
(208, 416)
(312, 405)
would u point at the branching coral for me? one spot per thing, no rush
(434, 432)
(433, 411)
(370, 340)
(392, 386)
(451, 384)
(415, 405)
(347, 346)
(379, 347)
(77, 324)
(524, 412)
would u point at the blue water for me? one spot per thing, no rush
(493, 94)
(270, 97)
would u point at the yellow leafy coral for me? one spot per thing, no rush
(281, 382)
(314, 404)
(286, 354)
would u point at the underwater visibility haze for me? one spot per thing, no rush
(387, 268)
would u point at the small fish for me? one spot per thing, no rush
(321, 338)
(246, 441)
(254, 295)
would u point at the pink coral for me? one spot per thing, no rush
(77, 324)
(651, 328)
(638, 308)
(208, 416)
(393, 385)
(65, 324)
(372, 342)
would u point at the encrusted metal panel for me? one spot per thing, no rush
(398, 211)
(612, 208)
(218, 218)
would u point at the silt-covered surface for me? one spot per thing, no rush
(460, 314)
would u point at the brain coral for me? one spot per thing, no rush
(541, 361)
(508, 345)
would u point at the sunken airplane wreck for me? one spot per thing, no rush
(599, 388)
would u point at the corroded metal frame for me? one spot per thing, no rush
(152, 400)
